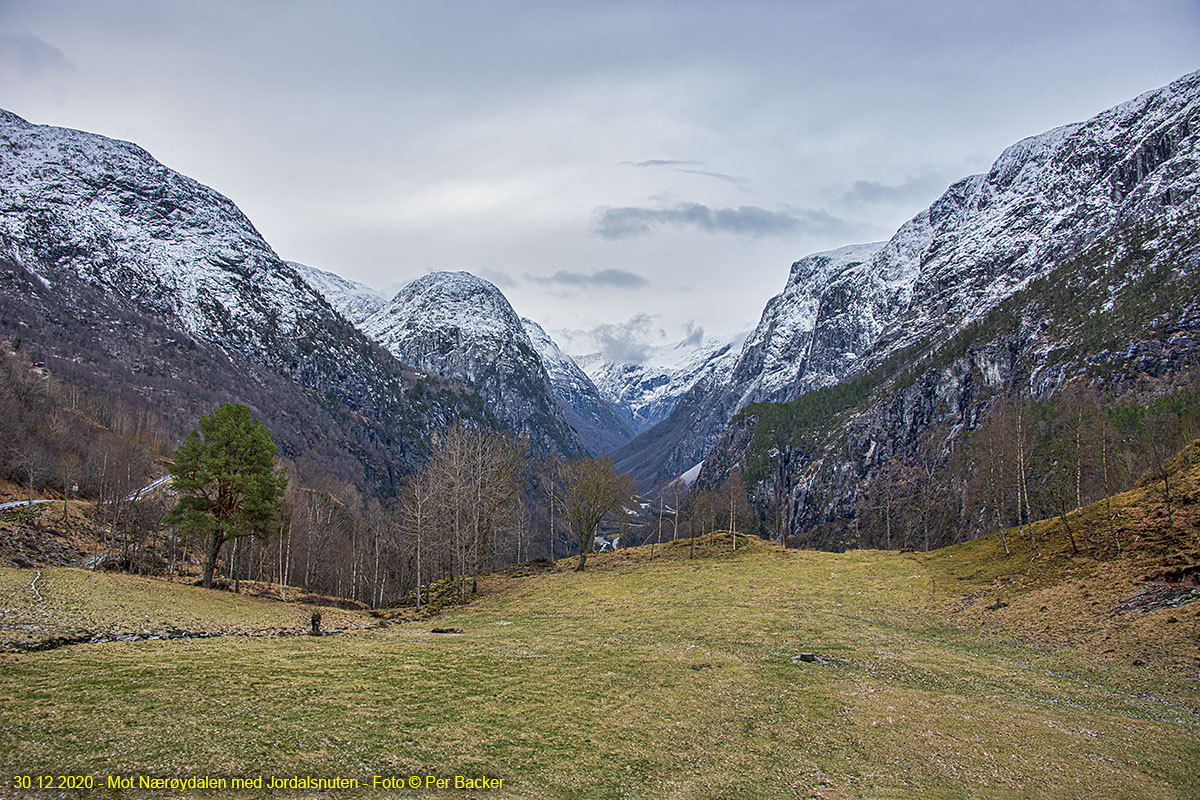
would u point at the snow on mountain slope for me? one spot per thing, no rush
(645, 393)
(1045, 199)
(120, 220)
(788, 335)
(598, 425)
(355, 301)
(155, 274)
(457, 325)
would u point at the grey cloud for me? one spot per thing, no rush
(498, 277)
(695, 334)
(736, 180)
(658, 162)
(914, 188)
(678, 165)
(616, 278)
(630, 222)
(625, 342)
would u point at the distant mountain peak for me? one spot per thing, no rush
(646, 392)
(461, 326)
(599, 426)
(355, 301)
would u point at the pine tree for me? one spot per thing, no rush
(227, 482)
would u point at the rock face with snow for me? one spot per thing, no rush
(457, 325)
(107, 213)
(1045, 199)
(599, 427)
(113, 260)
(353, 300)
(645, 393)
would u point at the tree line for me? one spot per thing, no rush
(470, 509)
(1029, 459)
(483, 500)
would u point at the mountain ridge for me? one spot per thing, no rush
(98, 238)
(600, 427)
(1044, 199)
(461, 326)
(353, 300)
(646, 391)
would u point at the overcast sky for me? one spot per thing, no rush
(633, 170)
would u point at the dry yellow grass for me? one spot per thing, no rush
(642, 678)
(963, 673)
(43, 605)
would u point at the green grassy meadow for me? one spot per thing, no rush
(665, 678)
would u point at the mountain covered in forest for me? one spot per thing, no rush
(988, 396)
(1046, 200)
(139, 281)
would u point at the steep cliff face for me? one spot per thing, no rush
(457, 325)
(1045, 200)
(598, 426)
(1120, 322)
(812, 333)
(95, 234)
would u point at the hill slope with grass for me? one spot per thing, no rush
(1048, 671)
(1117, 581)
(43, 609)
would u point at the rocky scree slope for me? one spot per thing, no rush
(1045, 200)
(135, 279)
(460, 326)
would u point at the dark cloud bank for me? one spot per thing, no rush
(630, 222)
(613, 278)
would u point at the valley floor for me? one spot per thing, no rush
(670, 678)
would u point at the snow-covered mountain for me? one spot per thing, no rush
(107, 212)
(599, 426)
(1045, 199)
(646, 392)
(114, 263)
(355, 301)
(460, 326)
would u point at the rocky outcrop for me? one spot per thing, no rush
(1045, 200)
(457, 325)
